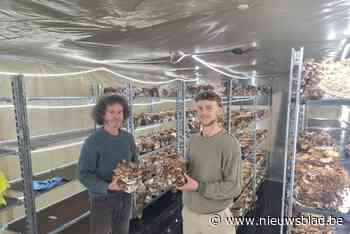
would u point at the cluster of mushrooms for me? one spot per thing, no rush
(326, 78)
(312, 229)
(151, 142)
(155, 92)
(193, 90)
(245, 139)
(242, 118)
(244, 202)
(248, 90)
(151, 176)
(246, 199)
(309, 139)
(144, 119)
(321, 181)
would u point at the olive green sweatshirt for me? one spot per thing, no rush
(215, 162)
(99, 156)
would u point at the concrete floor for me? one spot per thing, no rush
(164, 216)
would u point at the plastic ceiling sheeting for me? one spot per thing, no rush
(140, 39)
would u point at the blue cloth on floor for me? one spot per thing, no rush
(42, 185)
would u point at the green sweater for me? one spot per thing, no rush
(215, 162)
(99, 156)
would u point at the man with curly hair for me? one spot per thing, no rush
(110, 207)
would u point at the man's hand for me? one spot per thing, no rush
(190, 186)
(113, 187)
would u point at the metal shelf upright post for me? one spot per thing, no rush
(152, 105)
(24, 151)
(228, 120)
(292, 128)
(96, 92)
(254, 148)
(269, 103)
(129, 93)
(181, 117)
(130, 99)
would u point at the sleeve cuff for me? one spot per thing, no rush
(101, 188)
(135, 158)
(201, 188)
(104, 187)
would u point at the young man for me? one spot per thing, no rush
(110, 207)
(214, 175)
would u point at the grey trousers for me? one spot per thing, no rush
(110, 213)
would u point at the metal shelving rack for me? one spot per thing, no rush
(180, 107)
(25, 148)
(230, 100)
(296, 122)
(180, 102)
(25, 145)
